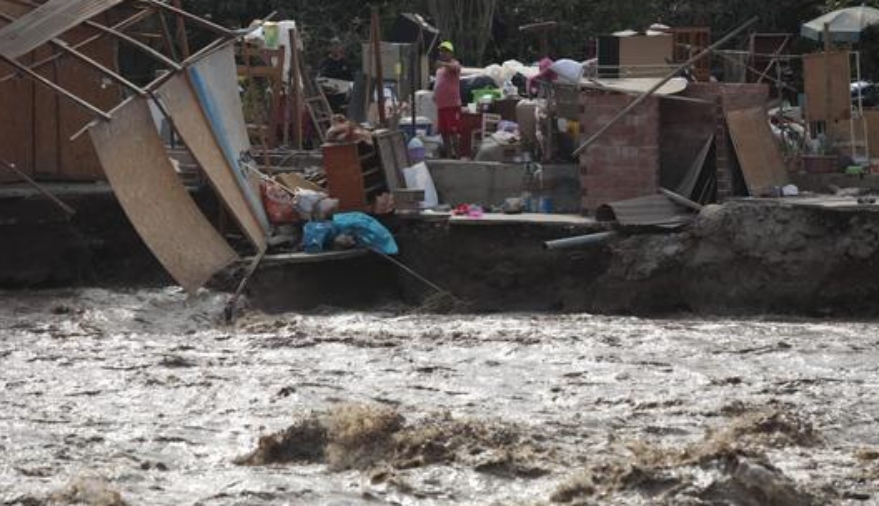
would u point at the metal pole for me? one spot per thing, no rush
(134, 42)
(195, 19)
(229, 310)
(635, 103)
(861, 111)
(414, 274)
(64, 207)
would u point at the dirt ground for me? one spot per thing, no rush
(145, 397)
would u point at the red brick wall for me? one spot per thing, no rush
(624, 162)
(731, 97)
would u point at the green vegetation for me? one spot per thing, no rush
(578, 20)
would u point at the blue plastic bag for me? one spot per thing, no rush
(317, 235)
(367, 231)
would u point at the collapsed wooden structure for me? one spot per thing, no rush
(60, 80)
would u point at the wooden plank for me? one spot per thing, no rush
(384, 144)
(759, 156)
(47, 22)
(401, 153)
(154, 199)
(646, 56)
(193, 126)
(215, 82)
(827, 79)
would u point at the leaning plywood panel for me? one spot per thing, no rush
(155, 201)
(193, 126)
(758, 154)
(215, 81)
(47, 22)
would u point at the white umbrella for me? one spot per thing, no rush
(844, 25)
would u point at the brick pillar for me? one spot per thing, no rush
(624, 162)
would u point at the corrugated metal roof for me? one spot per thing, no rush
(47, 22)
(652, 210)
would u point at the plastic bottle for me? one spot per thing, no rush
(416, 150)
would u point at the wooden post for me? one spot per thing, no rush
(542, 30)
(379, 79)
(294, 101)
(166, 36)
(182, 37)
(828, 80)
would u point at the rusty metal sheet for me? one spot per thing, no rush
(47, 22)
(182, 104)
(155, 201)
(652, 210)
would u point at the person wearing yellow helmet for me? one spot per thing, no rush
(447, 95)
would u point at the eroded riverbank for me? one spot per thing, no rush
(145, 397)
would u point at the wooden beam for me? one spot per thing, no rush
(182, 36)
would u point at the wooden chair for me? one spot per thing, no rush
(490, 122)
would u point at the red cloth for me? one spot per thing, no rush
(448, 120)
(447, 90)
(544, 74)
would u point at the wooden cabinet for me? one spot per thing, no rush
(353, 174)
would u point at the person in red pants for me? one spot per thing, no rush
(447, 95)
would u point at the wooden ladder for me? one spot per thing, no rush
(317, 105)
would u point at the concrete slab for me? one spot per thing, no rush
(490, 183)
(829, 202)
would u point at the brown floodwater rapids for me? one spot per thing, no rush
(146, 397)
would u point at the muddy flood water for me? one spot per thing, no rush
(146, 397)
